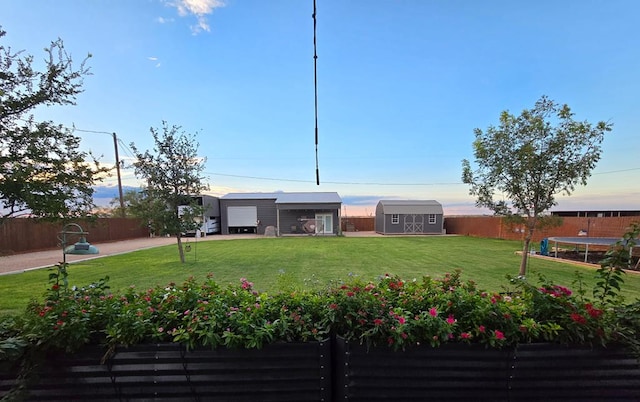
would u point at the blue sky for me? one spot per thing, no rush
(401, 86)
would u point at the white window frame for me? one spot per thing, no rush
(395, 219)
(432, 219)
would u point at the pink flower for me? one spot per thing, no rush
(498, 334)
(401, 320)
(433, 312)
(481, 329)
(377, 321)
(465, 335)
(160, 329)
(451, 320)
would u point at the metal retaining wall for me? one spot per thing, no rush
(167, 372)
(337, 371)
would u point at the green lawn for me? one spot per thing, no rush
(307, 261)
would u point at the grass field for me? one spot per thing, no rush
(305, 262)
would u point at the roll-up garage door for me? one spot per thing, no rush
(242, 216)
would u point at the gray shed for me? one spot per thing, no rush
(409, 217)
(290, 213)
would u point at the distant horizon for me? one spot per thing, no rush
(357, 210)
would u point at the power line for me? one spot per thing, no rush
(333, 182)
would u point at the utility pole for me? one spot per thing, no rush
(115, 145)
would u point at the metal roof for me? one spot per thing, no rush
(411, 207)
(250, 196)
(308, 198)
(289, 198)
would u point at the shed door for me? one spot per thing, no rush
(242, 216)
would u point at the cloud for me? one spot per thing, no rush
(152, 58)
(198, 8)
(163, 20)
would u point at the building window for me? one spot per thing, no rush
(432, 219)
(395, 219)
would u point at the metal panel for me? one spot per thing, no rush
(450, 372)
(166, 372)
(242, 216)
(410, 207)
(548, 372)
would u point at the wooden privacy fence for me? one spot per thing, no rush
(358, 224)
(21, 235)
(336, 370)
(497, 228)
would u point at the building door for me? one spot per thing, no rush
(414, 223)
(324, 223)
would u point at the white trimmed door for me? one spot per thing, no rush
(324, 223)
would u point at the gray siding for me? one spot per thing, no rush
(409, 224)
(266, 212)
(379, 219)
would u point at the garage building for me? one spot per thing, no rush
(289, 213)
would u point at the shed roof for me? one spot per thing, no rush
(289, 198)
(411, 207)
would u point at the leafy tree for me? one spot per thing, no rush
(173, 175)
(42, 170)
(139, 204)
(528, 159)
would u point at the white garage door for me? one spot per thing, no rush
(242, 216)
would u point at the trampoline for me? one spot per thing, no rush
(584, 241)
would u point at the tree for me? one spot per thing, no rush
(139, 204)
(529, 159)
(42, 170)
(173, 175)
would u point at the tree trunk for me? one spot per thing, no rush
(525, 256)
(531, 225)
(180, 248)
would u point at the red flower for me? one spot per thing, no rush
(578, 318)
(593, 312)
(498, 334)
(350, 294)
(451, 320)
(377, 321)
(401, 320)
(465, 335)
(333, 306)
(55, 287)
(481, 329)
(433, 312)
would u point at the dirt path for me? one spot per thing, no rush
(43, 259)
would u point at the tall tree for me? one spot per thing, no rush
(42, 170)
(527, 160)
(173, 174)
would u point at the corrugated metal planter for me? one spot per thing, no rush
(339, 371)
(536, 372)
(167, 372)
